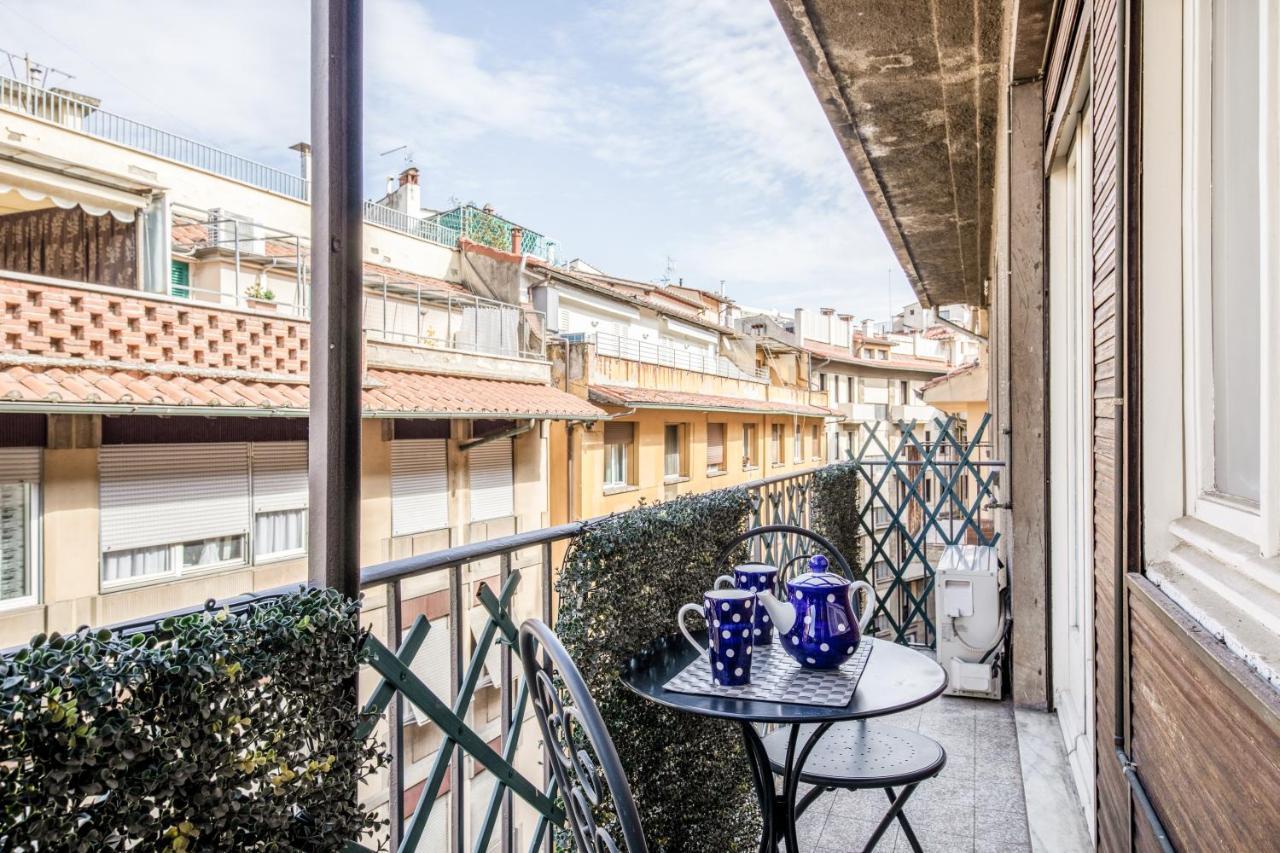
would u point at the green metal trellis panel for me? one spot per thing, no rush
(397, 676)
(933, 492)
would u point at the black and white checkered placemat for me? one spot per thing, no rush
(776, 677)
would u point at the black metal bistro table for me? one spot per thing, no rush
(896, 678)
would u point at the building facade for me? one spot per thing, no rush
(693, 404)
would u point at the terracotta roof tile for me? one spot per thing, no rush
(386, 393)
(893, 362)
(652, 398)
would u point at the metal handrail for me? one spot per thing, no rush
(85, 117)
(644, 352)
(424, 228)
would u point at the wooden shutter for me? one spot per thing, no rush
(618, 433)
(492, 480)
(419, 485)
(180, 279)
(163, 494)
(279, 476)
(715, 445)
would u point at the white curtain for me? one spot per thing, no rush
(139, 562)
(279, 532)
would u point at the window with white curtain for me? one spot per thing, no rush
(19, 526)
(750, 447)
(1228, 290)
(777, 437)
(619, 445)
(279, 500)
(673, 457)
(167, 508)
(797, 444)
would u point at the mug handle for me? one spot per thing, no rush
(728, 581)
(865, 619)
(684, 630)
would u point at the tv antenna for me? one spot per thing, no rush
(32, 73)
(408, 153)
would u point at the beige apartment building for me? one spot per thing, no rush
(693, 403)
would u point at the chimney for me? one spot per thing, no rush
(830, 314)
(517, 239)
(846, 332)
(409, 192)
(304, 164)
(799, 327)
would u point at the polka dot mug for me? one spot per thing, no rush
(754, 577)
(730, 617)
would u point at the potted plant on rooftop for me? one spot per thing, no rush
(261, 298)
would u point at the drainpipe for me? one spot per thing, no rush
(511, 432)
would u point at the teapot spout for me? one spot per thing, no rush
(782, 613)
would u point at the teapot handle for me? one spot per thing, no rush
(869, 610)
(683, 630)
(728, 581)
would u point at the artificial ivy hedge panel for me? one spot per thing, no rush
(834, 505)
(216, 732)
(621, 585)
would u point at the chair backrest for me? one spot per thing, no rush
(795, 565)
(582, 754)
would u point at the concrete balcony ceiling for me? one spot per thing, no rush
(909, 87)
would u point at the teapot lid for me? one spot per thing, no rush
(818, 577)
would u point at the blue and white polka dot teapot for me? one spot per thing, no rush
(817, 624)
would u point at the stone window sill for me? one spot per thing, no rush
(618, 490)
(1222, 583)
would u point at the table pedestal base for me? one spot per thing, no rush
(782, 811)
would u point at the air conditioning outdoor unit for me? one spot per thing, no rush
(972, 620)
(228, 230)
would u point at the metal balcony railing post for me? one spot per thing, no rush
(508, 819)
(395, 725)
(457, 641)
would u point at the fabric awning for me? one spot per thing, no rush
(68, 191)
(653, 398)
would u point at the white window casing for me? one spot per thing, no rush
(161, 494)
(19, 526)
(419, 485)
(492, 480)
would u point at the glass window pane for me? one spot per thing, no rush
(280, 532)
(671, 441)
(1235, 250)
(210, 552)
(136, 563)
(15, 573)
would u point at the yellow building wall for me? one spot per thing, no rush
(650, 483)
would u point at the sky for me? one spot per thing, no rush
(641, 135)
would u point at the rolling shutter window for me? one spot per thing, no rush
(19, 473)
(279, 476)
(163, 494)
(492, 480)
(419, 485)
(715, 446)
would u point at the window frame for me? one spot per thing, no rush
(723, 467)
(627, 461)
(750, 446)
(177, 571)
(777, 444)
(1258, 524)
(682, 451)
(34, 547)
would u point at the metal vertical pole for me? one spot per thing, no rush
(506, 712)
(395, 724)
(334, 446)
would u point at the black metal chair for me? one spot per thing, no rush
(858, 754)
(579, 745)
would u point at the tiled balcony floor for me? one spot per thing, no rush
(976, 804)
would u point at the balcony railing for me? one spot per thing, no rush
(667, 356)
(431, 230)
(84, 116)
(492, 230)
(406, 312)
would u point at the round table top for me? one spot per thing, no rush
(895, 678)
